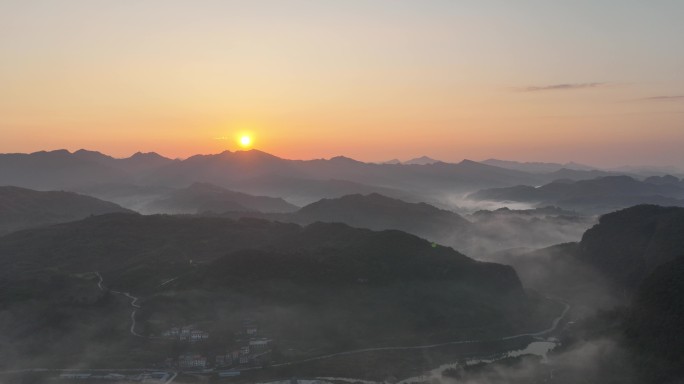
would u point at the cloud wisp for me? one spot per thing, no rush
(561, 87)
(664, 98)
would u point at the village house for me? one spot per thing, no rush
(244, 359)
(187, 333)
(172, 333)
(220, 360)
(224, 360)
(192, 361)
(197, 335)
(259, 344)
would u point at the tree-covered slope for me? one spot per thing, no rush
(322, 287)
(22, 208)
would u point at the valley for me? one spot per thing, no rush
(230, 287)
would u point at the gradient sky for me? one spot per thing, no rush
(598, 82)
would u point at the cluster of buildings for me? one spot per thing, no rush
(251, 349)
(187, 333)
(190, 360)
(252, 352)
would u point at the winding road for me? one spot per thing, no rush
(134, 303)
(554, 325)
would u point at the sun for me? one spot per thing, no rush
(245, 141)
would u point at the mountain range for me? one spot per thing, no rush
(255, 172)
(375, 256)
(478, 234)
(600, 195)
(422, 160)
(538, 167)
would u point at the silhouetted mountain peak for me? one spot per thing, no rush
(255, 152)
(84, 151)
(471, 165)
(56, 152)
(344, 160)
(148, 155)
(95, 156)
(423, 160)
(469, 162)
(249, 155)
(227, 156)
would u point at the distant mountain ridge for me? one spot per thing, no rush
(423, 160)
(538, 167)
(205, 197)
(478, 234)
(378, 212)
(599, 195)
(62, 169)
(237, 170)
(22, 208)
(258, 173)
(137, 162)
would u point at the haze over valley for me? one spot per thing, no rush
(116, 254)
(328, 192)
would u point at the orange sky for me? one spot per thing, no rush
(600, 84)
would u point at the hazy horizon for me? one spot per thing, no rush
(455, 160)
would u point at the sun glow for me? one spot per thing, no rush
(245, 141)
